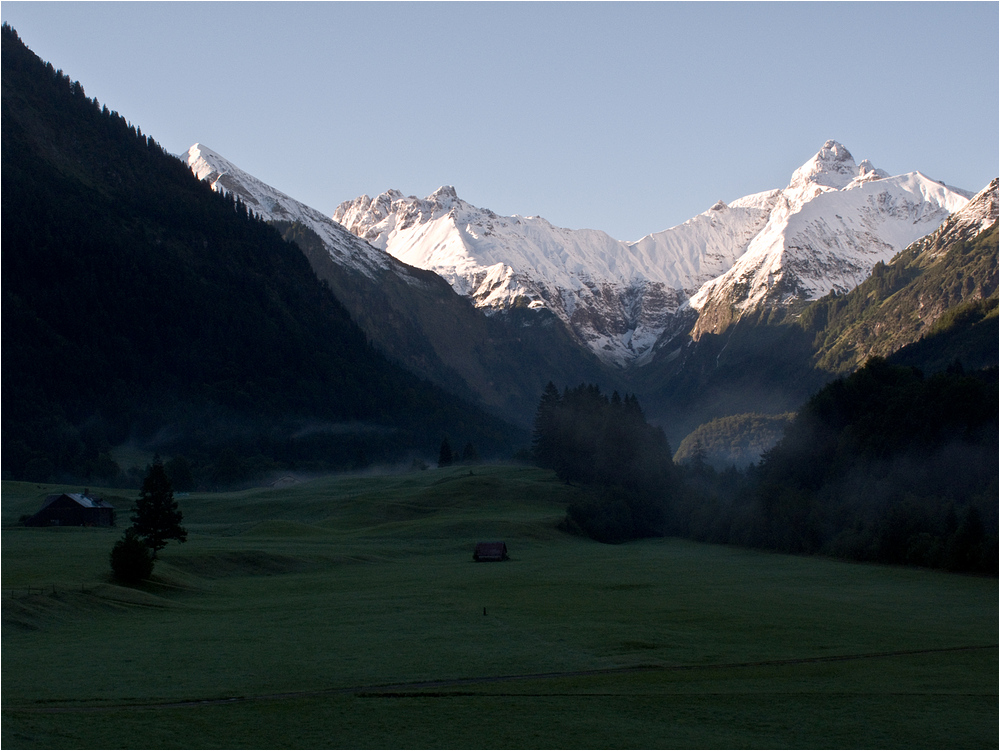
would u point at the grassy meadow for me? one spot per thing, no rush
(347, 612)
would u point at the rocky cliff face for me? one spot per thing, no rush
(824, 231)
(411, 314)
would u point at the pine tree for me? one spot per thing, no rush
(469, 454)
(156, 517)
(131, 558)
(445, 457)
(544, 437)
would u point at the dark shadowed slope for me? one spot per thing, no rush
(139, 305)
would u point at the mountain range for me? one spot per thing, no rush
(825, 231)
(675, 316)
(822, 233)
(182, 303)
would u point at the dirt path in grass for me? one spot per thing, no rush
(428, 688)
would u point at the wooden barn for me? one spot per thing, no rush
(73, 510)
(490, 551)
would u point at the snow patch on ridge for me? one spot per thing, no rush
(273, 205)
(823, 231)
(828, 228)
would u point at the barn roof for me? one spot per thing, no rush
(84, 500)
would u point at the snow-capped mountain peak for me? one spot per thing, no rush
(825, 230)
(444, 195)
(830, 226)
(273, 205)
(831, 167)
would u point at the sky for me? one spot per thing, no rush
(625, 117)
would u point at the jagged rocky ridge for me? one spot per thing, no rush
(825, 231)
(413, 315)
(618, 298)
(273, 205)
(950, 270)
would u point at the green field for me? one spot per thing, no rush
(347, 612)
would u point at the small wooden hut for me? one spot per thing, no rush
(490, 551)
(73, 510)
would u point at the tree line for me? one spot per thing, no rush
(606, 444)
(884, 465)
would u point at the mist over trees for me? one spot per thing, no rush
(605, 443)
(738, 440)
(884, 465)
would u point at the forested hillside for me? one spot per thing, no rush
(883, 465)
(928, 288)
(737, 440)
(141, 307)
(933, 304)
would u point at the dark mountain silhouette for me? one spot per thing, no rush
(501, 361)
(140, 306)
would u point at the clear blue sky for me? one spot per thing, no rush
(625, 117)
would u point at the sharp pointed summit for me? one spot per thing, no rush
(444, 193)
(826, 231)
(833, 166)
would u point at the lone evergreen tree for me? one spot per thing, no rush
(445, 457)
(131, 559)
(469, 454)
(156, 517)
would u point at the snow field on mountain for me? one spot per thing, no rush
(832, 240)
(825, 231)
(273, 205)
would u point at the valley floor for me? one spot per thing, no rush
(347, 612)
